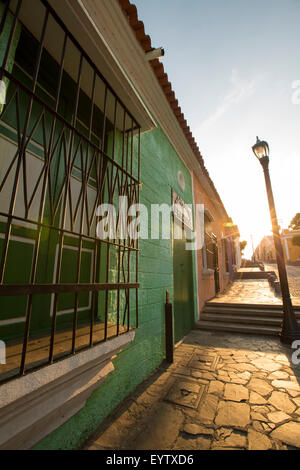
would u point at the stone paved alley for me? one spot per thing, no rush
(293, 273)
(249, 291)
(258, 291)
(224, 391)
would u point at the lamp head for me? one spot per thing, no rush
(261, 149)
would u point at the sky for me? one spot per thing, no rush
(235, 68)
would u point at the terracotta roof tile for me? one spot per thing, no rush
(171, 97)
(131, 13)
(163, 80)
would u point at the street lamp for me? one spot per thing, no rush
(289, 329)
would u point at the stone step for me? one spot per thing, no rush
(252, 275)
(248, 320)
(232, 305)
(245, 312)
(261, 319)
(238, 328)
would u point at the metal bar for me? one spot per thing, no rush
(51, 149)
(8, 103)
(127, 151)
(12, 33)
(63, 218)
(137, 241)
(60, 199)
(34, 289)
(96, 263)
(67, 232)
(131, 149)
(130, 164)
(169, 329)
(35, 78)
(115, 128)
(106, 294)
(4, 16)
(38, 237)
(22, 149)
(93, 159)
(67, 124)
(128, 292)
(123, 143)
(118, 293)
(81, 50)
(8, 171)
(34, 266)
(121, 227)
(290, 330)
(84, 190)
(95, 253)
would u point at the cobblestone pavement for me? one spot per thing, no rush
(258, 291)
(224, 391)
(252, 291)
(293, 273)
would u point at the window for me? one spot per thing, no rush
(233, 252)
(67, 144)
(209, 244)
(225, 254)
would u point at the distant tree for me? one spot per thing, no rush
(296, 240)
(295, 222)
(243, 245)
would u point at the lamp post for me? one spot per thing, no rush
(289, 328)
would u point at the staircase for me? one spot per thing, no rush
(259, 319)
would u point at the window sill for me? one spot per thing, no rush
(33, 406)
(207, 273)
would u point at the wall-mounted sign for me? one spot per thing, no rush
(182, 211)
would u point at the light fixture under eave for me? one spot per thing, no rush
(155, 54)
(261, 149)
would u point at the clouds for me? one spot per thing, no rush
(236, 76)
(241, 90)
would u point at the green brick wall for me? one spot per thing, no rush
(159, 169)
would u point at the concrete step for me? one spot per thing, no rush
(238, 328)
(248, 320)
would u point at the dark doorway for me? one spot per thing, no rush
(183, 283)
(216, 264)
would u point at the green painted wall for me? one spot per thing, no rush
(159, 168)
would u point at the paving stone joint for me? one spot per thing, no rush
(223, 391)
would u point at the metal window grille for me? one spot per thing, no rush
(233, 252)
(67, 145)
(209, 245)
(225, 252)
(209, 248)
